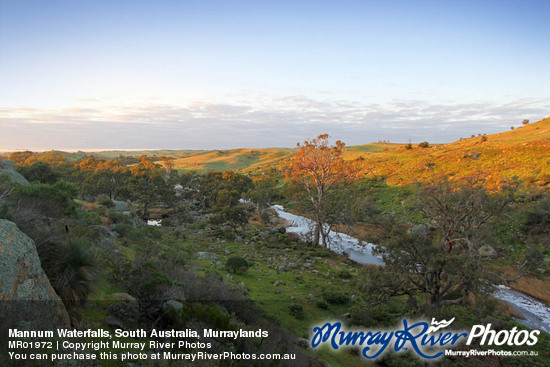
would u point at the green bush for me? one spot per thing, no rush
(224, 234)
(296, 311)
(40, 172)
(344, 274)
(105, 201)
(236, 264)
(324, 253)
(123, 229)
(371, 316)
(146, 278)
(335, 298)
(198, 225)
(424, 144)
(71, 268)
(322, 305)
(265, 217)
(539, 213)
(208, 313)
(117, 217)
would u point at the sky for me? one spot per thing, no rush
(229, 74)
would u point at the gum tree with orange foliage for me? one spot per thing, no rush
(100, 176)
(321, 171)
(168, 163)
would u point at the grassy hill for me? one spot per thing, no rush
(234, 159)
(523, 152)
(249, 160)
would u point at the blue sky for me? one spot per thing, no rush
(219, 74)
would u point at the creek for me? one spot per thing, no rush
(534, 313)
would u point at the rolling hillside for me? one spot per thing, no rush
(523, 152)
(234, 159)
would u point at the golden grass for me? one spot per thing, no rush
(523, 153)
(538, 288)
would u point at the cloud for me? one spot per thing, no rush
(274, 122)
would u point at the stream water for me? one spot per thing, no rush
(535, 314)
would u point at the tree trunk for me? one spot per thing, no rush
(316, 233)
(146, 210)
(324, 239)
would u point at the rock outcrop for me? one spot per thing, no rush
(27, 299)
(8, 168)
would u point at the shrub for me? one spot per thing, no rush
(408, 146)
(209, 313)
(54, 201)
(265, 217)
(335, 298)
(322, 305)
(424, 144)
(167, 222)
(344, 274)
(538, 213)
(105, 201)
(123, 229)
(117, 217)
(146, 279)
(198, 225)
(325, 253)
(71, 267)
(296, 311)
(40, 172)
(483, 138)
(236, 264)
(371, 316)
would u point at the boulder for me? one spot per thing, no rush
(7, 164)
(114, 323)
(137, 222)
(203, 255)
(14, 175)
(174, 305)
(487, 251)
(27, 299)
(127, 311)
(123, 297)
(104, 231)
(293, 237)
(121, 206)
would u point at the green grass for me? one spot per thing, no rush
(374, 147)
(295, 289)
